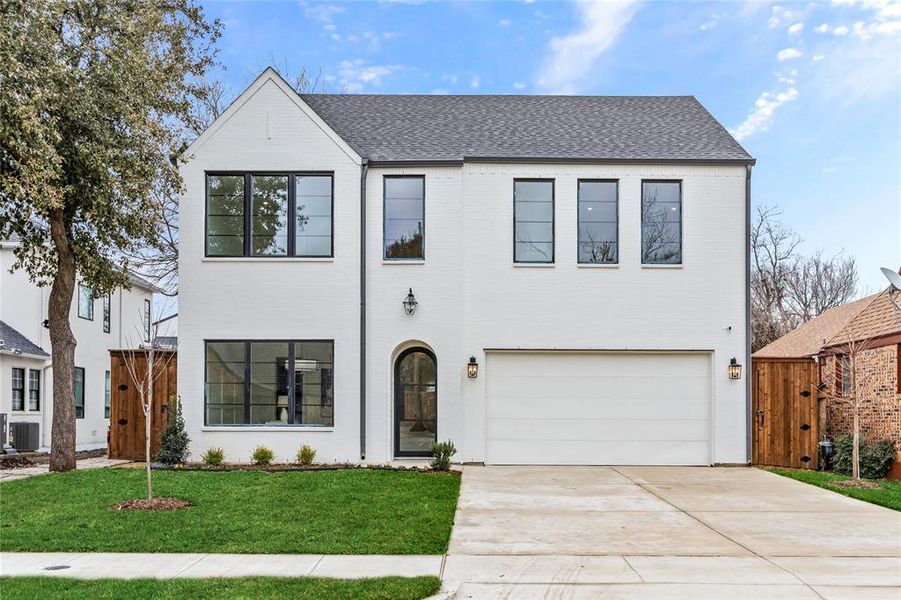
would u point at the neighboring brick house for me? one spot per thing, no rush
(871, 329)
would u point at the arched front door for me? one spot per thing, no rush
(415, 402)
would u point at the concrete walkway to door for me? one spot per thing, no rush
(675, 532)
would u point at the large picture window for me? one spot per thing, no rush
(404, 217)
(533, 221)
(270, 383)
(18, 388)
(274, 215)
(661, 222)
(78, 381)
(598, 222)
(85, 302)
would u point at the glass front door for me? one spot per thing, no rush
(415, 402)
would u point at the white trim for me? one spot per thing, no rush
(414, 261)
(597, 266)
(270, 74)
(240, 428)
(662, 266)
(534, 265)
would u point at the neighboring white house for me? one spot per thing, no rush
(165, 331)
(588, 254)
(119, 320)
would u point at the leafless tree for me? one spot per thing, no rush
(145, 363)
(659, 233)
(788, 289)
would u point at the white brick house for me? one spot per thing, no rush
(588, 252)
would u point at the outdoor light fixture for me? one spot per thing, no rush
(734, 369)
(410, 303)
(472, 369)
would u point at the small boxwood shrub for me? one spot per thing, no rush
(213, 457)
(306, 455)
(174, 440)
(441, 454)
(875, 458)
(262, 456)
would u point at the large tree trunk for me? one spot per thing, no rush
(62, 346)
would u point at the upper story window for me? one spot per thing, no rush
(18, 388)
(661, 222)
(262, 214)
(85, 302)
(147, 320)
(34, 389)
(107, 313)
(598, 222)
(404, 224)
(533, 220)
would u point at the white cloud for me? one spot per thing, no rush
(818, 57)
(519, 85)
(841, 30)
(572, 56)
(320, 11)
(505, 22)
(795, 29)
(761, 115)
(439, 92)
(475, 82)
(777, 15)
(789, 54)
(356, 75)
(824, 28)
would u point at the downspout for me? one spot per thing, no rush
(363, 172)
(749, 371)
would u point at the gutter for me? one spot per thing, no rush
(364, 171)
(749, 371)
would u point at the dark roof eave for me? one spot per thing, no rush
(559, 160)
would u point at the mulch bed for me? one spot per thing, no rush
(152, 504)
(855, 484)
(15, 462)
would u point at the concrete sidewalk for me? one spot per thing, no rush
(99, 462)
(101, 565)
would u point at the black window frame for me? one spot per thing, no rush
(579, 183)
(90, 305)
(553, 259)
(385, 179)
(20, 388)
(34, 390)
(84, 385)
(107, 312)
(247, 383)
(248, 205)
(681, 223)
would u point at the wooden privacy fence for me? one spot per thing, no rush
(785, 415)
(126, 423)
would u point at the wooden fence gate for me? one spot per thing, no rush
(126, 423)
(785, 415)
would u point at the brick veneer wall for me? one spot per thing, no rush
(880, 412)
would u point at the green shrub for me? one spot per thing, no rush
(213, 457)
(306, 455)
(441, 454)
(174, 440)
(875, 458)
(262, 456)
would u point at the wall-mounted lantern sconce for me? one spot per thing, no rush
(734, 369)
(472, 368)
(410, 303)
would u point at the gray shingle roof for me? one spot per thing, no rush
(451, 128)
(13, 340)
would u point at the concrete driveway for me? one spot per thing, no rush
(649, 532)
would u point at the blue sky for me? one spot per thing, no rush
(812, 90)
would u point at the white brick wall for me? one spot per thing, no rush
(471, 295)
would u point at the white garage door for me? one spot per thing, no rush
(598, 408)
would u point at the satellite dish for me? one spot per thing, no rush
(893, 278)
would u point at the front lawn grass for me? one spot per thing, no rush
(301, 588)
(888, 494)
(351, 511)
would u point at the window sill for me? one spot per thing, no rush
(415, 261)
(533, 265)
(679, 266)
(290, 259)
(26, 413)
(597, 266)
(295, 428)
